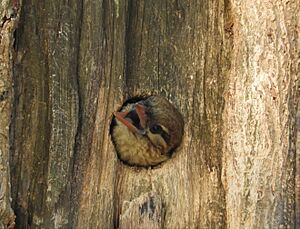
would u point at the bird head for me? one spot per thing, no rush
(156, 120)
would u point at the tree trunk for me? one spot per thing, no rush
(8, 16)
(259, 117)
(231, 68)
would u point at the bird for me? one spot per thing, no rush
(146, 132)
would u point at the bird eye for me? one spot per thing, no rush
(156, 129)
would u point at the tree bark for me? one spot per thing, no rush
(231, 68)
(46, 112)
(259, 117)
(9, 18)
(297, 177)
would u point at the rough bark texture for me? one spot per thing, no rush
(76, 65)
(8, 22)
(297, 183)
(155, 47)
(230, 67)
(259, 162)
(46, 112)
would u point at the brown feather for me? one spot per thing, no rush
(149, 149)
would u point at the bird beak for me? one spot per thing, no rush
(140, 110)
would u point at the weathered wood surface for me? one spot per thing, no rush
(46, 112)
(231, 69)
(259, 117)
(77, 64)
(165, 48)
(8, 23)
(297, 177)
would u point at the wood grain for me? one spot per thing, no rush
(230, 67)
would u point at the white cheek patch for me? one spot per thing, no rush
(165, 129)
